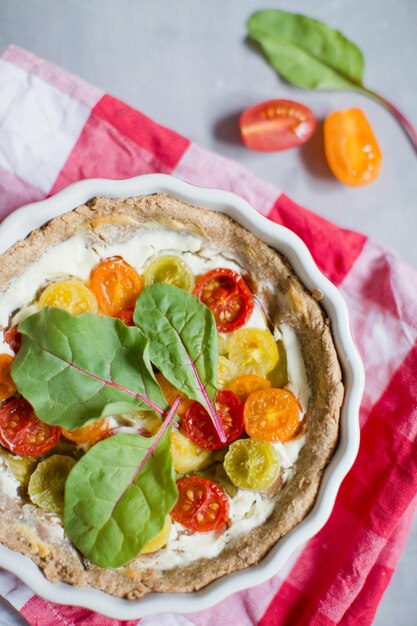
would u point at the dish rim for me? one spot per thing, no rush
(25, 219)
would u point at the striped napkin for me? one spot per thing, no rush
(55, 130)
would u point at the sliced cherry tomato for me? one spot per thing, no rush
(13, 338)
(116, 285)
(88, 434)
(272, 415)
(7, 386)
(126, 315)
(352, 151)
(199, 427)
(253, 351)
(228, 297)
(276, 125)
(186, 455)
(226, 371)
(252, 464)
(170, 393)
(243, 386)
(22, 432)
(71, 295)
(47, 484)
(168, 269)
(202, 505)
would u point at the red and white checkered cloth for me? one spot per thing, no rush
(54, 130)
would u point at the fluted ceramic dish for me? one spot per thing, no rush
(21, 222)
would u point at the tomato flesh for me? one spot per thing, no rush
(13, 338)
(272, 415)
(228, 297)
(7, 386)
(352, 151)
(88, 434)
(276, 125)
(22, 432)
(116, 285)
(202, 505)
(126, 315)
(199, 427)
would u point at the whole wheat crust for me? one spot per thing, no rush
(27, 529)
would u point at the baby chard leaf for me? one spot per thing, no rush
(183, 342)
(75, 369)
(307, 52)
(113, 508)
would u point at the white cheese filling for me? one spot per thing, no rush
(75, 258)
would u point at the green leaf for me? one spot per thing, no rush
(113, 508)
(76, 369)
(183, 342)
(307, 52)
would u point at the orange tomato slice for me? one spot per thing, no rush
(271, 415)
(243, 386)
(7, 386)
(88, 434)
(116, 285)
(352, 151)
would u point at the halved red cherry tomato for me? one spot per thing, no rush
(7, 386)
(228, 297)
(126, 315)
(116, 285)
(276, 125)
(13, 338)
(22, 432)
(352, 151)
(199, 427)
(202, 505)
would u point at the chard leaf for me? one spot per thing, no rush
(183, 342)
(76, 369)
(118, 495)
(307, 52)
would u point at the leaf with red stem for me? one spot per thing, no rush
(183, 343)
(118, 495)
(73, 370)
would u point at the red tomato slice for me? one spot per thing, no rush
(199, 427)
(228, 297)
(202, 505)
(22, 432)
(13, 338)
(126, 315)
(276, 125)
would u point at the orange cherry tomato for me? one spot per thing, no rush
(243, 386)
(276, 125)
(352, 151)
(116, 285)
(170, 393)
(202, 505)
(22, 432)
(88, 434)
(13, 338)
(228, 297)
(271, 415)
(7, 386)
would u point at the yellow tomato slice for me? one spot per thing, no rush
(186, 455)
(226, 371)
(88, 434)
(271, 415)
(168, 269)
(7, 386)
(253, 351)
(71, 295)
(160, 540)
(243, 386)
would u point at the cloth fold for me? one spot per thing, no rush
(55, 130)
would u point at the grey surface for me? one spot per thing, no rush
(187, 65)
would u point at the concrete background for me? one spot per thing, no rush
(187, 65)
